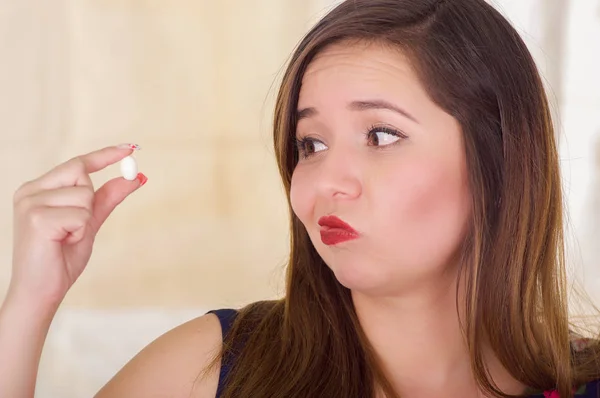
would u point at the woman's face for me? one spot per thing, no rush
(377, 153)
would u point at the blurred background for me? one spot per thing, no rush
(193, 82)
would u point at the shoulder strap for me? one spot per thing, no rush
(226, 317)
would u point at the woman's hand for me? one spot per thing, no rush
(56, 219)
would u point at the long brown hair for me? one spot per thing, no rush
(475, 66)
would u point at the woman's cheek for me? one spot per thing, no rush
(299, 196)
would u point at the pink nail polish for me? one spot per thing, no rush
(135, 147)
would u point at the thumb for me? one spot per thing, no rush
(110, 195)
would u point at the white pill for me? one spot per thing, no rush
(129, 168)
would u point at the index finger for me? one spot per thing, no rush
(102, 158)
(75, 172)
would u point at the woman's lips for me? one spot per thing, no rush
(334, 231)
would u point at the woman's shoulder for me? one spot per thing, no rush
(240, 323)
(588, 390)
(226, 317)
(580, 346)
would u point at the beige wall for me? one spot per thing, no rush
(193, 82)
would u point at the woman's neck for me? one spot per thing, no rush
(417, 338)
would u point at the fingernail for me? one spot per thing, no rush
(135, 147)
(142, 179)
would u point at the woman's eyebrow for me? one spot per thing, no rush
(380, 104)
(309, 112)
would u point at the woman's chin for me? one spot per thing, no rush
(359, 278)
(378, 282)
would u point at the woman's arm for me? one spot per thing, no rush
(24, 325)
(56, 219)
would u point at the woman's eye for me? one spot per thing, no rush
(385, 138)
(308, 146)
(382, 136)
(376, 136)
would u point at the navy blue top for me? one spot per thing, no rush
(227, 316)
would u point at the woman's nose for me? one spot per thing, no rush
(339, 175)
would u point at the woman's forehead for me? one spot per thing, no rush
(344, 74)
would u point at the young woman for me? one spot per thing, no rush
(415, 144)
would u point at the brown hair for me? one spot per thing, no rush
(475, 66)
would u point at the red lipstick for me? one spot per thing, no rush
(334, 230)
